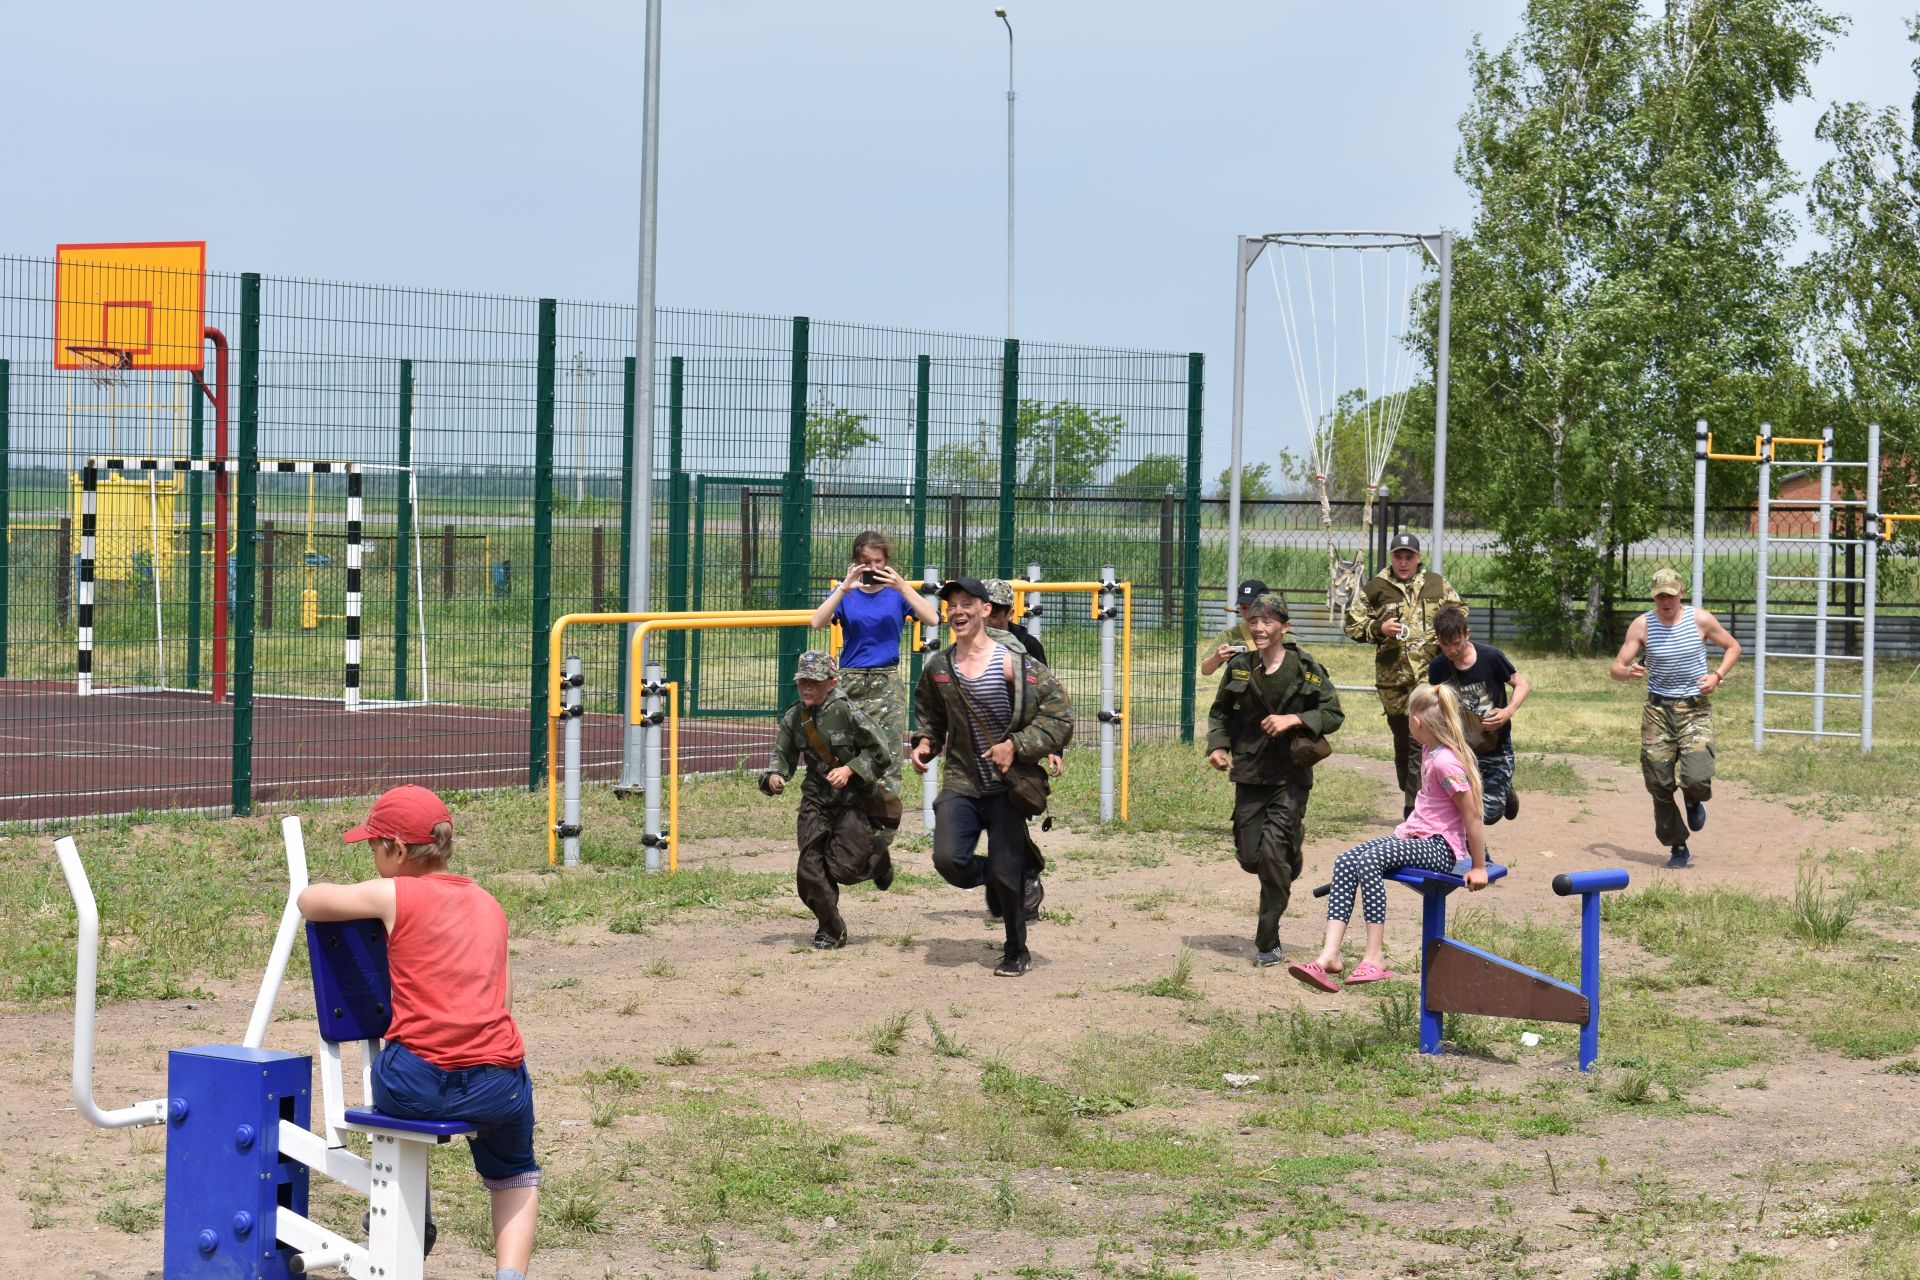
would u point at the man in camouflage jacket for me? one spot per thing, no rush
(1027, 717)
(1394, 612)
(1269, 701)
(835, 831)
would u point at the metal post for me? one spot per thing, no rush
(922, 409)
(571, 700)
(1109, 611)
(1823, 561)
(796, 541)
(246, 491)
(196, 442)
(1442, 355)
(930, 643)
(1763, 510)
(1036, 613)
(1009, 453)
(640, 544)
(544, 361)
(403, 536)
(1872, 549)
(677, 505)
(1433, 927)
(651, 689)
(629, 479)
(1699, 511)
(1590, 977)
(1190, 549)
(1002, 15)
(1247, 252)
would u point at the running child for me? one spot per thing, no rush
(1443, 828)
(843, 798)
(453, 1051)
(1481, 676)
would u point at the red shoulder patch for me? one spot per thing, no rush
(940, 677)
(1033, 679)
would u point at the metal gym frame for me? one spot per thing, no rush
(1438, 246)
(1765, 451)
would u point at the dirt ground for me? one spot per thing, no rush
(754, 1004)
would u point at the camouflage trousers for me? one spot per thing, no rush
(1676, 750)
(836, 848)
(882, 694)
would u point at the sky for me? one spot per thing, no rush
(845, 160)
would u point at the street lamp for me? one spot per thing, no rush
(1002, 15)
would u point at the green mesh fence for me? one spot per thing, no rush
(488, 440)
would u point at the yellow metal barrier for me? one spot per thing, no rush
(1021, 588)
(556, 659)
(1888, 521)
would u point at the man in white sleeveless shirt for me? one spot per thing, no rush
(1676, 727)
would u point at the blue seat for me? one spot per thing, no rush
(368, 1118)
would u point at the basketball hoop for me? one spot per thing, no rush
(104, 366)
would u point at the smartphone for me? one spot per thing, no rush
(868, 577)
(1238, 648)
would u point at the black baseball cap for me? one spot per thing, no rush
(1250, 590)
(972, 586)
(1403, 542)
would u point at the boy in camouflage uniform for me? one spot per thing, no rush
(846, 755)
(1394, 612)
(1271, 703)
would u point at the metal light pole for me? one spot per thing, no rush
(1002, 15)
(640, 543)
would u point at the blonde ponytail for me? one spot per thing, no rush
(1439, 709)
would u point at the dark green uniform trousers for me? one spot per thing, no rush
(1268, 824)
(836, 848)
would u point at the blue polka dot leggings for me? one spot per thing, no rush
(1362, 866)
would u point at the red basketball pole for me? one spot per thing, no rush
(218, 394)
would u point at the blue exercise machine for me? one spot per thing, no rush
(239, 1146)
(1457, 977)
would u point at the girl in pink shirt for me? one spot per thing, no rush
(1443, 828)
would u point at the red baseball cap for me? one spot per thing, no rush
(407, 814)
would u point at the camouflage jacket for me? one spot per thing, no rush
(1300, 687)
(1042, 718)
(1400, 663)
(850, 734)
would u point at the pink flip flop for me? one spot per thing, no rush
(1367, 971)
(1314, 976)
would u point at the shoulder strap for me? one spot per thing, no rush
(819, 744)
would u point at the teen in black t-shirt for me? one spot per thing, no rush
(1491, 690)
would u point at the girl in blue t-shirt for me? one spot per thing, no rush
(871, 605)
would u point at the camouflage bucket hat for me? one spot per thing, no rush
(999, 593)
(1269, 604)
(816, 664)
(1666, 582)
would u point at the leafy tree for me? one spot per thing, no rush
(1083, 439)
(968, 464)
(1406, 473)
(1622, 275)
(1256, 482)
(1153, 474)
(834, 435)
(1866, 281)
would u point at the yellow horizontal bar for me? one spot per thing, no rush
(1819, 447)
(1733, 457)
(1888, 521)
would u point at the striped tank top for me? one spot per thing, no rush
(993, 702)
(1676, 655)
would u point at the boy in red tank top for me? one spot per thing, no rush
(453, 1051)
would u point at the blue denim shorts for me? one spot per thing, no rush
(496, 1100)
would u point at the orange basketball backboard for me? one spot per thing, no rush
(130, 306)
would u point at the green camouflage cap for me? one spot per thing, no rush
(1666, 582)
(816, 664)
(1267, 604)
(999, 593)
